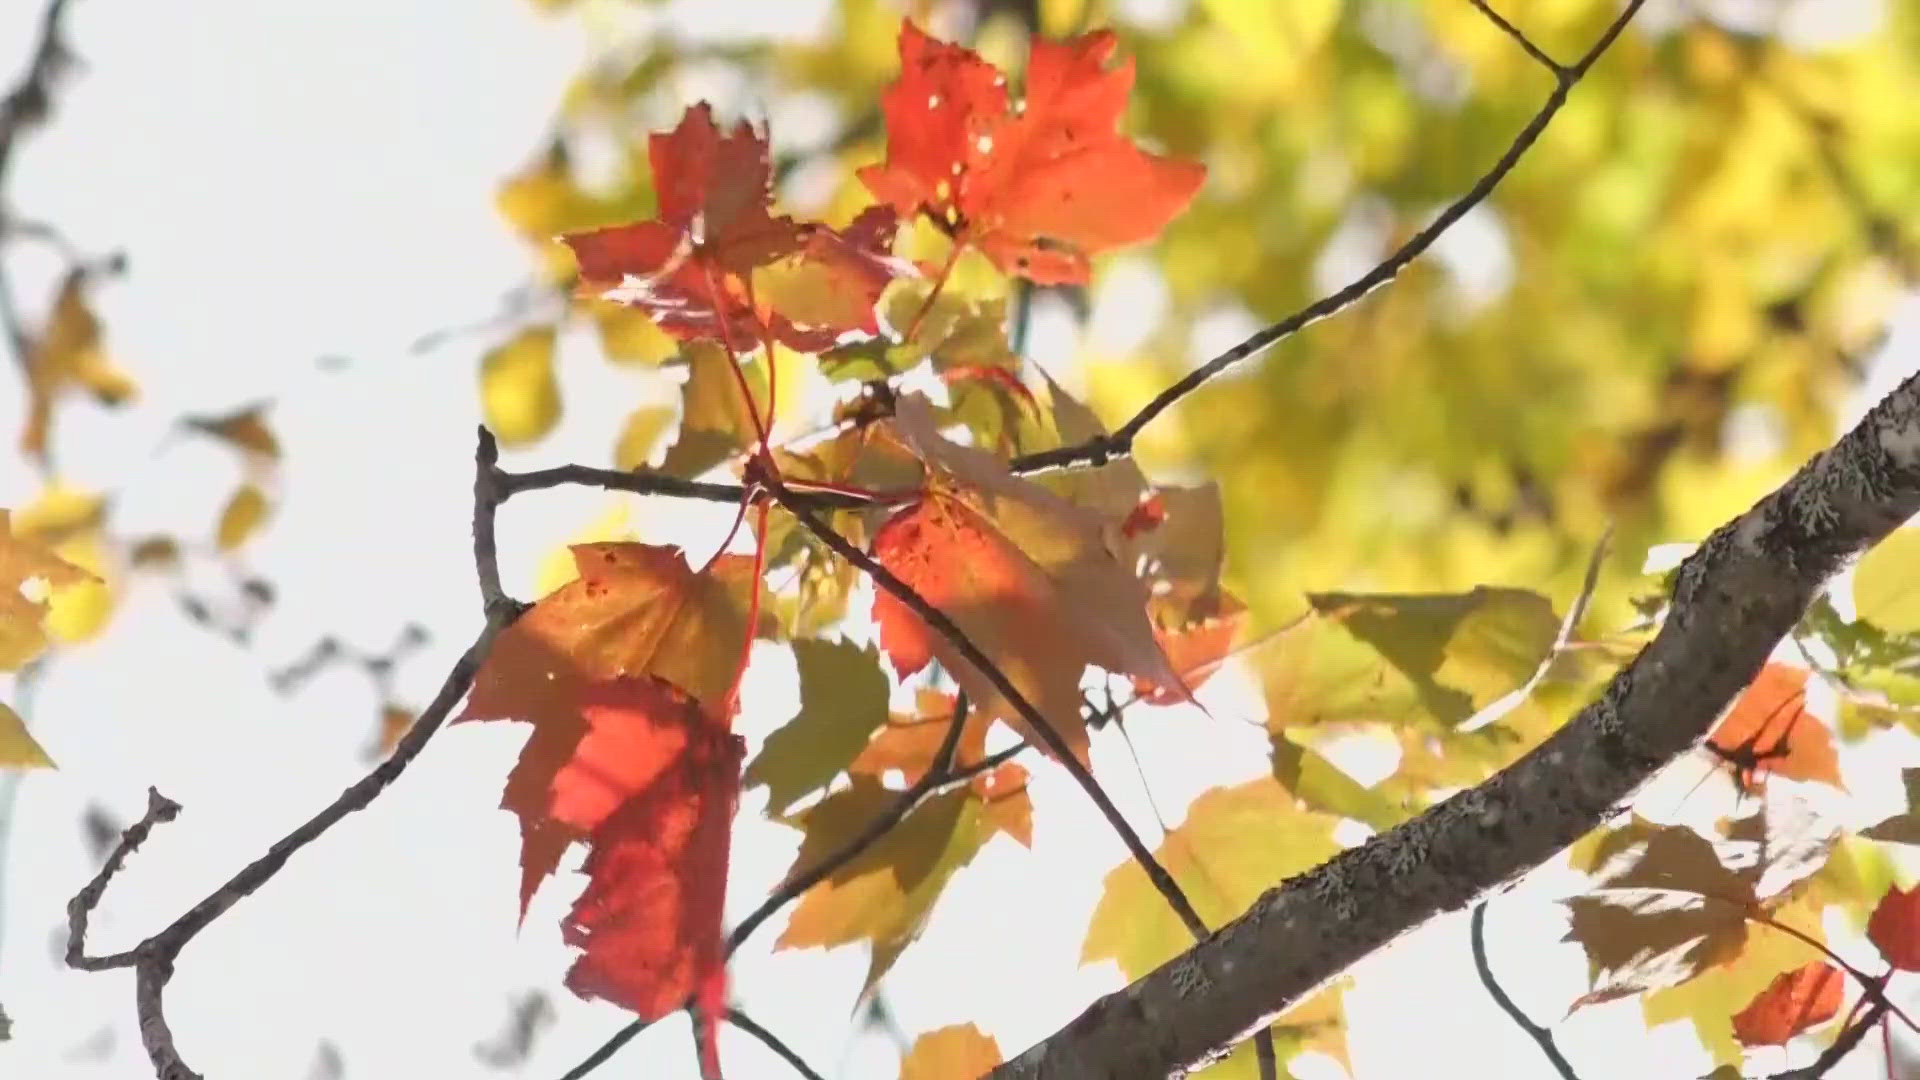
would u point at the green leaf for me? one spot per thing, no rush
(1322, 786)
(884, 896)
(843, 698)
(1459, 651)
(714, 421)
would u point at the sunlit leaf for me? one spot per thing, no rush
(519, 393)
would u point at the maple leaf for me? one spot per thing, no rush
(22, 636)
(697, 268)
(955, 1052)
(843, 698)
(1037, 189)
(1026, 575)
(1769, 730)
(1894, 927)
(635, 610)
(1234, 843)
(1794, 1002)
(653, 784)
(1902, 828)
(1664, 910)
(68, 355)
(885, 895)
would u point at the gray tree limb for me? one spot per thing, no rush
(1733, 600)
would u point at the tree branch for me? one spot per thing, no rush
(1733, 600)
(745, 1023)
(1099, 449)
(1534, 1031)
(153, 959)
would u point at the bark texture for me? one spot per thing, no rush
(1734, 599)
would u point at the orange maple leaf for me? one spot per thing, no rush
(693, 268)
(1803, 998)
(635, 610)
(908, 743)
(654, 782)
(1026, 575)
(1038, 189)
(1894, 927)
(1769, 730)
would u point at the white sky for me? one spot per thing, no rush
(299, 180)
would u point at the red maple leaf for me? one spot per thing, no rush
(1800, 999)
(696, 266)
(1894, 928)
(655, 780)
(1769, 730)
(1038, 189)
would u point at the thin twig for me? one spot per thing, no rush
(644, 482)
(1534, 1031)
(153, 959)
(745, 1023)
(1101, 448)
(945, 627)
(28, 103)
(1844, 1044)
(160, 809)
(1520, 39)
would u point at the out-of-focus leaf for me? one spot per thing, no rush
(24, 622)
(519, 393)
(1901, 828)
(68, 355)
(638, 435)
(1894, 928)
(630, 336)
(1321, 785)
(245, 430)
(955, 1052)
(1886, 587)
(17, 748)
(245, 512)
(715, 421)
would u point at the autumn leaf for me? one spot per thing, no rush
(1322, 785)
(22, 635)
(246, 510)
(1769, 730)
(244, 429)
(519, 395)
(1902, 828)
(635, 610)
(1886, 592)
(843, 698)
(1024, 574)
(1663, 910)
(699, 268)
(715, 420)
(885, 895)
(1795, 1002)
(18, 750)
(1233, 845)
(955, 1052)
(1894, 928)
(68, 355)
(653, 784)
(1040, 187)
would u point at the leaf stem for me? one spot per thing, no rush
(939, 285)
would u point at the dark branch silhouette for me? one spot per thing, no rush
(1534, 1031)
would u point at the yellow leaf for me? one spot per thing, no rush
(22, 636)
(78, 612)
(715, 422)
(244, 430)
(69, 354)
(955, 1052)
(1886, 589)
(246, 511)
(519, 396)
(558, 566)
(17, 748)
(637, 436)
(629, 335)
